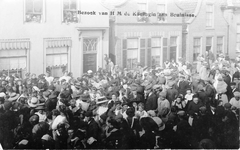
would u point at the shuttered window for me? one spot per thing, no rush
(173, 48)
(165, 50)
(142, 51)
(124, 48)
(149, 53)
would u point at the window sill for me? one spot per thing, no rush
(33, 22)
(67, 23)
(210, 28)
(161, 21)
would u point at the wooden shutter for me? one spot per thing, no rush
(149, 53)
(124, 54)
(165, 50)
(142, 51)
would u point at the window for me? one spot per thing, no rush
(156, 51)
(220, 45)
(13, 61)
(34, 11)
(238, 38)
(209, 44)
(89, 45)
(132, 53)
(57, 60)
(209, 15)
(196, 48)
(162, 12)
(70, 11)
(142, 10)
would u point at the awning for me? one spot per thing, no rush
(7, 45)
(59, 43)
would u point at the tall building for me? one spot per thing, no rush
(55, 35)
(231, 9)
(144, 31)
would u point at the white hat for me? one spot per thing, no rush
(159, 122)
(47, 137)
(36, 88)
(2, 94)
(89, 71)
(33, 102)
(13, 96)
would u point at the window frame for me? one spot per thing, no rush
(212, 12)
(97, 39)
(194, 46)
(137, 49)
(160, 47)
(62, 12)
(170, 46)
(165, 10)
(211, 42)
(43, 18)
(139, 18)
(222, 44)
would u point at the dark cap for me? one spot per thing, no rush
(89, 114)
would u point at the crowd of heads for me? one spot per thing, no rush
(146, 107)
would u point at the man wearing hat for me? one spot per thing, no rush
(150, 98)
(41, 113)
(182, 85)
(157, 88)
(182, 131)
(13, 96)
(171, 92)
(162, 103)
(92, 132)
(195, 83)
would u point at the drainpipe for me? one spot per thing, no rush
(228, 39)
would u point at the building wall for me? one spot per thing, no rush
(127, 26)
(198, 29)
(14, 27)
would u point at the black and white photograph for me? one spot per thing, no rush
(119, 74)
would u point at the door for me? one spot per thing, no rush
(89, 62)
(90, 46)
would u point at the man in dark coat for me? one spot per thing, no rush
(151, 99)
(194, 105)
(182, 85)
(209, 90)
(172, 93)
(203, 97)
(195, 84)
(92, 132)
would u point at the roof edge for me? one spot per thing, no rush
(196, 12)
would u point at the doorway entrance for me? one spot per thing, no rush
(90, 46)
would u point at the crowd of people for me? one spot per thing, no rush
(147, 107)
